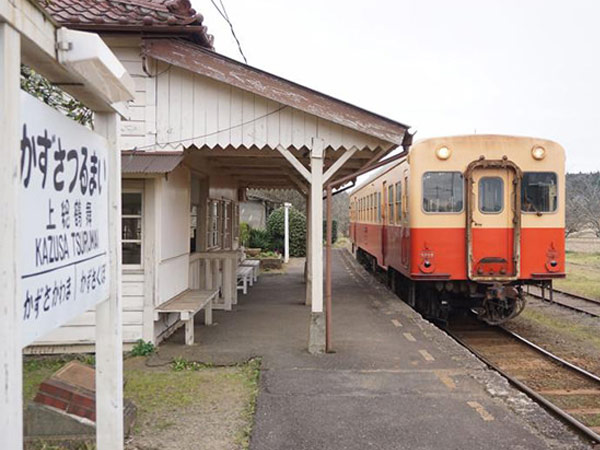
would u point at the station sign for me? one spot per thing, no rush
(63, 240)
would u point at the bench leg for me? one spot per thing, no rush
(189, 331)
(208, 314)
(245, 289)
(251, 278)
(255, 271)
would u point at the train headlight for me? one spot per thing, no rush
(538, 152)
(443, 153)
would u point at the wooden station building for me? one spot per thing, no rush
(202, 129)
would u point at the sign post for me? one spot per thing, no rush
(11, 360)
(70, 244)
(109, 340)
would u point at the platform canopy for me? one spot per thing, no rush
(255, 126)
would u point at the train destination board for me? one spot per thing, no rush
(63, 199)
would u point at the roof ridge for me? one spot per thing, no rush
(142, 3)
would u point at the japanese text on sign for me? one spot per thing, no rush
(64, 217)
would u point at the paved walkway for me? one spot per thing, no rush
(395, 381)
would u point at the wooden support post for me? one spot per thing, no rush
(109, 330)
(317, 325)
(228, 274)
(189, 330)
(308, 274)
(215, 274)
(208, 319)
(286, 232)
(208, 277)
(11, 360)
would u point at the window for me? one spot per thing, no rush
(398, 202)
(539, 192)
(378, 206)
(193, 227)
(491, 195)
(442, 192)
(212, 229)
(390, 217)
(405, 210)
(131, 220)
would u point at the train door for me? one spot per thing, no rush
(493, 220)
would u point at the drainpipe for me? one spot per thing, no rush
(328, 313)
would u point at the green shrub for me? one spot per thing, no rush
(142, 348)
(334, 231)
(244, 234)
(275, 224)
(259, 239)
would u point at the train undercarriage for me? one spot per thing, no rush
(493, 302)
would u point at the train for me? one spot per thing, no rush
(465, 223)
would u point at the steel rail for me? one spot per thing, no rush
(571, 307)
(577, 296)
(529, 391)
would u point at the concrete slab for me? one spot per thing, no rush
(395, 381)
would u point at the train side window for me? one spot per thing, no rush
(378, 197)
(398, 202)
(443, 192)
(491, 195)
(390, 216)
(406, 197)
(539, 192)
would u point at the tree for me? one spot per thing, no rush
(38, 86)
(297, 224)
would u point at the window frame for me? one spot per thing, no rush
(479, 196)
(557, 192)
(462, 210)
(140, 216)
(391, 217)
(398, 202)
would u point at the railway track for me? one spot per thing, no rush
(567, 390)
(574, 302)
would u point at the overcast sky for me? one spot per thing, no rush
(528, 67)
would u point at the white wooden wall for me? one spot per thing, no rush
(81, 331)
(193, 105)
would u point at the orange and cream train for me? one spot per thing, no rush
(465, 222)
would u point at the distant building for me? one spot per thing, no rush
(256, 210)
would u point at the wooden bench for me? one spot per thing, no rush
(244, 277)
(187, 304)
(255, 264)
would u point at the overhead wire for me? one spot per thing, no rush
(163, 145)
(225, 16)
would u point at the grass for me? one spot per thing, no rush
(583, 274)
(169, 395)
(562, 326)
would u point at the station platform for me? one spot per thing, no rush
(394, 382)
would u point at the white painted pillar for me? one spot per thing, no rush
(286, 232)
(11, 360)
(316, 342)
(109, 330)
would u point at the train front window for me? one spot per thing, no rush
(539, 192)
(491, 195)
(443, 192)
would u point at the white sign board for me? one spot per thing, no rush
(63, 200)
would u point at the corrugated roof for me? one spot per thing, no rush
(172, 17)
(151, 162)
